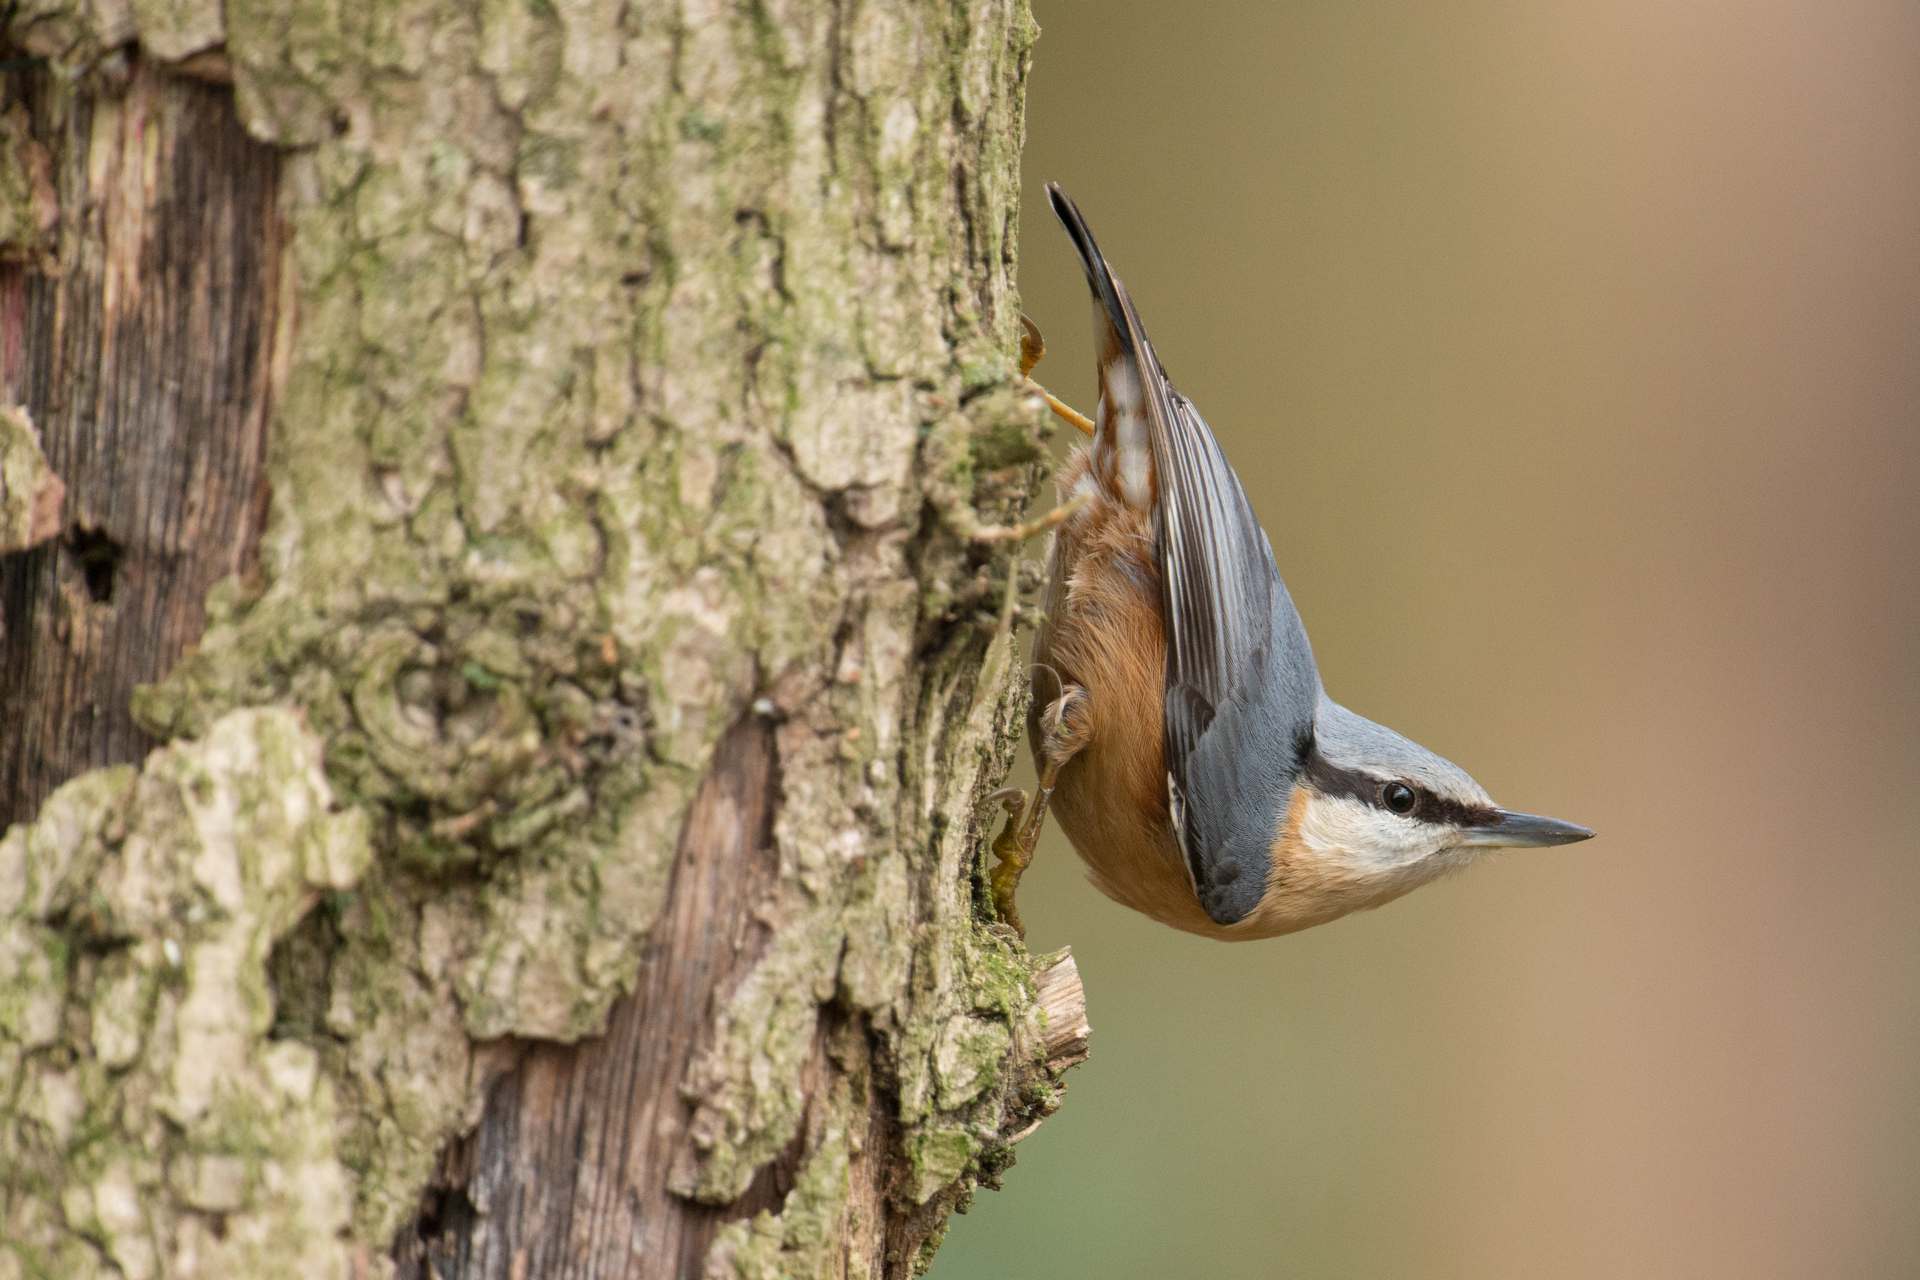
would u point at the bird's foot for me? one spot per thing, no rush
(1031, 528)
(1066, 728)
(1068, 724)
(1032, 348)
(1011, 858)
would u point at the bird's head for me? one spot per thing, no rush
(1376, 814)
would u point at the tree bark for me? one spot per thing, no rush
(544, 838)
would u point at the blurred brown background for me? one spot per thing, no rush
(1571, 354)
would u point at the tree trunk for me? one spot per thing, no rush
(552, 848)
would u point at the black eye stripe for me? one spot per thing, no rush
(1331, 779)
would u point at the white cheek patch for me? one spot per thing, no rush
(1362, 839)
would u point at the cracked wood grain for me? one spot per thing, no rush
(142, 350)
(567, 1175)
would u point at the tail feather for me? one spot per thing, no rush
(1106, 289)
(1130, 374)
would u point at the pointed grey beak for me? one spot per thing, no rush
(1515, 830)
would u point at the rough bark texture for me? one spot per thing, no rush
(31, 493)
(565, 860)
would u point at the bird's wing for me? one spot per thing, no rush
(1241, 681)
(1241, 685)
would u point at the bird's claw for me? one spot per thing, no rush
(1034, 527)
(1066, 727)
(1012, 855)
(1032, 348)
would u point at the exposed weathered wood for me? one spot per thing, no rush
(1061, 1001)
(570, 1174)
(567, 1175)
(141, 346)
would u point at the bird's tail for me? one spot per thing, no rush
(1106, 290)
(1130, 373)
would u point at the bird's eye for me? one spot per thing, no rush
(1398, 797)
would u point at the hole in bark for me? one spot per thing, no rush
(445, 1210)
(99, 559)
(300, 969)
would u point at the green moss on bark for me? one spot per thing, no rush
(151, 1125)
(29, 206)
(30, 492)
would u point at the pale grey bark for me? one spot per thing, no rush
(564, 857)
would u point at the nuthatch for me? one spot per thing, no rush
(1179, 725)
